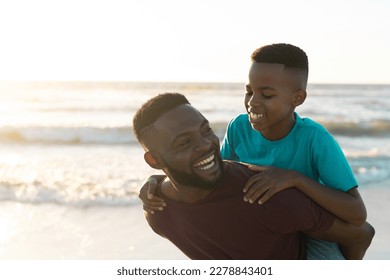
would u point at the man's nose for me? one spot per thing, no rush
(204, 144)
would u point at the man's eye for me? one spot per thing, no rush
(250, 93)
(182, 143)
(207, 131)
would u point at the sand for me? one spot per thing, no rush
(51, 231)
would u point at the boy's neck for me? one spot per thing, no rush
(278, 133)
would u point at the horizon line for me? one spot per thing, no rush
(171, 82)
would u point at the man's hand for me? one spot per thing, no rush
(268, 182)
(148, 194)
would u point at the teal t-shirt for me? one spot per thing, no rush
(309, 149)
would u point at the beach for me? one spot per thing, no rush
(53, 231)
(71, 169)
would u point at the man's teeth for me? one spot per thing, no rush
(206, 163)
(257, 116)
(207, 166)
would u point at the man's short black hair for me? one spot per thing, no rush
(153, 109)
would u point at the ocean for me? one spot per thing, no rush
(71, 144)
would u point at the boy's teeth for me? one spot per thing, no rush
(204, 162)
(257, 116)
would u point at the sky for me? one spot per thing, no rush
(190, 40)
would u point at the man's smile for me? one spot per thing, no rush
(206, 163)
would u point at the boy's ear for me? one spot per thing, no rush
(299, 97)
(153, 160)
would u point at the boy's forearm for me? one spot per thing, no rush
(353, 240)
(356, 248)
(347, 206)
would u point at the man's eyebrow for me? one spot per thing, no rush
(205, 122)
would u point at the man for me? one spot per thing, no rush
(205, 216)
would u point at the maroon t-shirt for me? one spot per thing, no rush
(223, 226)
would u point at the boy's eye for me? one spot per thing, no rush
(267, 96)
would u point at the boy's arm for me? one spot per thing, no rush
(147, 194)
(347, 206)
(353, 240)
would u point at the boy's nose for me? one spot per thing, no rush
(254, 101)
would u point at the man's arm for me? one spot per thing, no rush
(353, 240)
(148, 195)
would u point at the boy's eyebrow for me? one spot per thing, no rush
(266, 88)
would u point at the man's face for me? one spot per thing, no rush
(188, 147)
(270, 99)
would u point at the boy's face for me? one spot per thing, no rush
(188, 147)
(248, 96)
(271, 99)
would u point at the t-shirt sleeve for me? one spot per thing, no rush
(227, 151)
(332, 165)
(292, 211)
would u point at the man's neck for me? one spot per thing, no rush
(177, 192)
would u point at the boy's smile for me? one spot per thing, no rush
(256, 117)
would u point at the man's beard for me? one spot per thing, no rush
(193, 180)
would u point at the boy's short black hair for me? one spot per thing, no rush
(288, 55)
(153, 109)
(292, 57)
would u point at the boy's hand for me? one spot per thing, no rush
(268, 182)
(147, 194)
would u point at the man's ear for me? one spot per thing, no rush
(299, 97)
(153, 160)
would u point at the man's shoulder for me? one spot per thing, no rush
(237, 169)
(236, 166)
(233, 167)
